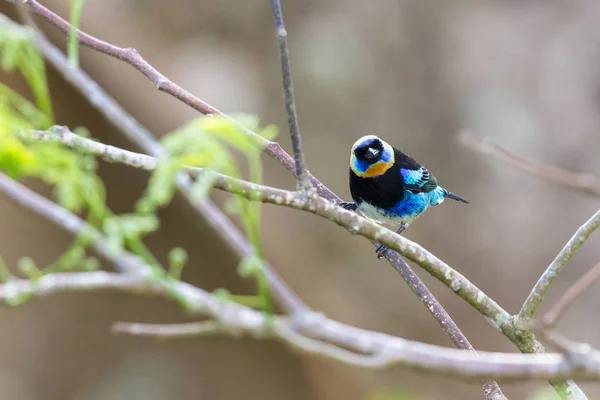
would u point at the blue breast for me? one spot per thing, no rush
(411, 206)
(415, 204)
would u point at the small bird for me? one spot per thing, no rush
(390, 187)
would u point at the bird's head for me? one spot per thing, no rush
(371, 156)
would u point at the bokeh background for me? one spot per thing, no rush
(415, 72)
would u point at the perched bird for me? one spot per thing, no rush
(390, 187)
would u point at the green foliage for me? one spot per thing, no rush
(28, 268)
(211, 143)
(16, 113)
(18, 52)
(177, 259)
(73, 45)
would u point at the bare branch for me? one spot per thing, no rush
(12, 291)
(585, 182)
(540, 289)
(190, 330)
(559, 309)
(288, 91)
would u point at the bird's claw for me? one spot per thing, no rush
(381, 251)
(351, 206)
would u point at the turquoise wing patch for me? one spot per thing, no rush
(419, 180)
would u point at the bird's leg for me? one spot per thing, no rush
(381, 249)
(349, 205)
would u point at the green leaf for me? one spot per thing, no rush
(250, 266)
(269, 132)
(177, 260)
(28, 268)
(222, 294)
(90, 264)
(18, 52)
(161, 187)
(203, 185)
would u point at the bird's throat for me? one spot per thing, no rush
(376, 169)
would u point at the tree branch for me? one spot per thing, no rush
(190, 330)
(550, 319)
(540, 289)
(585, 182)
(322, 337)
(288, 91)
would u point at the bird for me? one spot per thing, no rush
(390, 187)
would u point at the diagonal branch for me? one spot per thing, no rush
(540, 289)
(288, 91)
(559, 309)
(585, 182)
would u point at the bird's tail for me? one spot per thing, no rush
(453, 196)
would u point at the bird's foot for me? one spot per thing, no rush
(351, 206)
(381, 250)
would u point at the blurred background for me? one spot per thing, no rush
(415, 72)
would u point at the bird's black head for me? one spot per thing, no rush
(369, 150)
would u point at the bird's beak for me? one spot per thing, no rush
(371, 154)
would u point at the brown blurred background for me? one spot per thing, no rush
(415, 72)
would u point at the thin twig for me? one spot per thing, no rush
(585, 182)
(550, 319)
(288, 91)
(209, 212)
(535, 298)
(190, 330)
